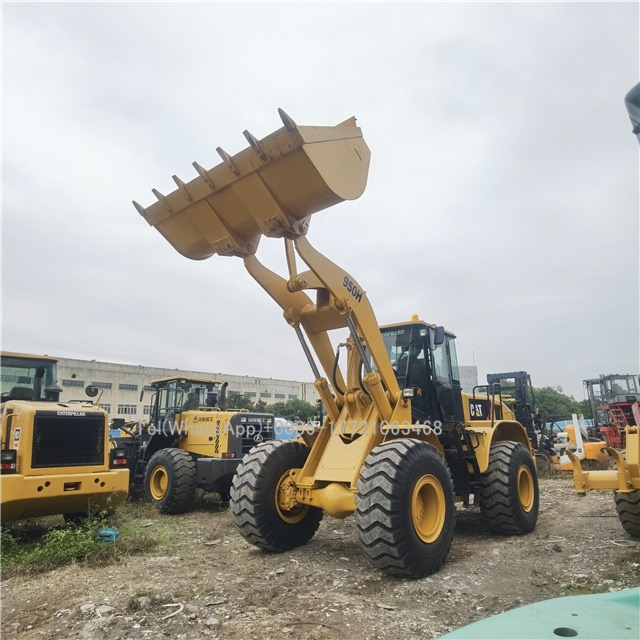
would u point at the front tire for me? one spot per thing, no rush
(405, 508)
(509, 494)
(261, 476)
(170, 481)
(628, 508)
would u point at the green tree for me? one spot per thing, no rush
(292, 409)
(553, 402)
(585, 409)
(239, 401)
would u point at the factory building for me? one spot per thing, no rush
(123, 384)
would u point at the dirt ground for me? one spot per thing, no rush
(229, 589)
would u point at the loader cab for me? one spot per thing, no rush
(424, 360)
(593, 389)
(174, 396)
(618, 389)
(26, 377)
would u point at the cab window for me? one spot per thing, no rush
(453, 358)
(442, 372)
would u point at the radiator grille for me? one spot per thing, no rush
(259, 432)
(68, 441)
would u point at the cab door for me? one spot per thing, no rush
(446, 378)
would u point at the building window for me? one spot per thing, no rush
(72, 383)
(234, 393)
(106, 407)
(280, 396)
(250, 394)
(102, 385)
(148, 387)
(147, 410)
(293, 396)
(265, 395)
(128, 387)
(126, 409)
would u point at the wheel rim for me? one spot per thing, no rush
(526, 491)
(285, 486)
(428, 508)
(158, 483)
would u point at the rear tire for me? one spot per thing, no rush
(75, 519)
(628, 508)
(254, 495)
(509, 495)
(589, 465)
(170, 481)
(543, 463)
(405, 512)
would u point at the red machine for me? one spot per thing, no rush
(615, 405)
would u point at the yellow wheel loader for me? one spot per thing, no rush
(400, 443)
(56, 457)
(516, 391)
(191, 441)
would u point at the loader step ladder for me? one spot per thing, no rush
(618, 416)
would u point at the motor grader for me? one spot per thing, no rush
(400, 443)
(56, 456)
(625, 480)
(192, 440)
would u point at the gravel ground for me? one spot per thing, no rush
(218, 586)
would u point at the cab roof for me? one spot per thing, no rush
(27, 356)
(414, 320)
(185, 379)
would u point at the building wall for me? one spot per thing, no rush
(123, 383)
(468, 378)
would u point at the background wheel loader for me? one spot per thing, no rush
(516, 391)
(400, 443)
(191, 441)
(56, 457)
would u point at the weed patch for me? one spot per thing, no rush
(41, 545)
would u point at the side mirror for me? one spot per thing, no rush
(91, 391)
(141, 393)
(438, 336)
(632, 102)
(52, 394)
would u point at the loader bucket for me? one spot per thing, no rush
(269, 188)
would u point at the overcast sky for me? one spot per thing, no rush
(502, 201)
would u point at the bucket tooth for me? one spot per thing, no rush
(139, 208)
(204, 175)
(255, 145)
(162, 199)
(227, 159)
(287, 120)
(183, 188)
